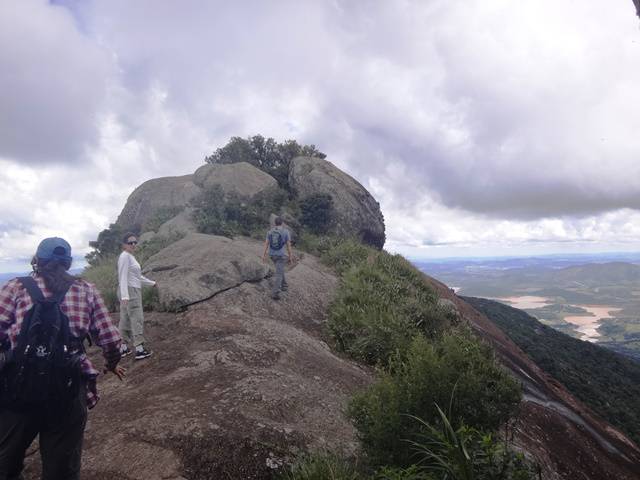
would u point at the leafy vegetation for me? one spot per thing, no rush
(606, 381)
(108, 243)
(103, 273)
(158, 217)
(317, 212)
(424, 376)
(466, 454)
(266, 154)
(382, 303)
(322, 466)
(385, 314)
(230, 215)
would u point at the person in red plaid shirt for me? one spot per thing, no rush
(60, 433)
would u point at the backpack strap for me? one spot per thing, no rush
(29, 283)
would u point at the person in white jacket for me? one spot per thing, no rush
(130, 282)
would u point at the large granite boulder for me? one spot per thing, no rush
(199, 266)
(156, 194)
(240, 178)
(357, 212)
(181, 224)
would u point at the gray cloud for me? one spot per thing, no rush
(475, 111)
(52, 84)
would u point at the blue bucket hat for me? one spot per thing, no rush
(54, 248)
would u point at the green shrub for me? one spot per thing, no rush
(414, 472)
(229, 214)
(108, 243)
(103, 273)
(346, 254)
(322, 466)
(380, 306)
(160, 216)
(425, 375)
(264, 153)
(149, 248)
(317, 212)
(466, 453)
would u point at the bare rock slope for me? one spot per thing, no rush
(237, 384)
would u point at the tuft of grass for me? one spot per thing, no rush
(465, 453)
(383, 302)
(322, 466)
(104, 275)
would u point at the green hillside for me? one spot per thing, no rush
(607, 382)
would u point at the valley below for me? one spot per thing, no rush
(592, 298)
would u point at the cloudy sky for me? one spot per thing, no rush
(483, 127)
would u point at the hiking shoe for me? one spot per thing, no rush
(124, 351)
(141, 354)
(276, 296)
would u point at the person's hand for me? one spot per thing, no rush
(118, 371)
(264, 259)
(124, 303)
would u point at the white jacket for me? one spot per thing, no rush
(130, 275)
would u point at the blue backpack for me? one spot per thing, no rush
(276, 239)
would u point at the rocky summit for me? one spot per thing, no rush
(240, 385)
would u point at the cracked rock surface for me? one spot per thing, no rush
(199, 266)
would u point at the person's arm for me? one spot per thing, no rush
(266, 249)
(146, 281)
(123, 277)
(7, 317)
(288, 244)
(105, 334)
(289, 250)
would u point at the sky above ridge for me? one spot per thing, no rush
(483, 127)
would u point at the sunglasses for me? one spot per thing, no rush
(132, 243)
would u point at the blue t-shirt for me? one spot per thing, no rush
(281, 252)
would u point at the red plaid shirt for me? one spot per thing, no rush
(87, 314)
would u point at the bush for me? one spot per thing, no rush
(414, 472)
(467, 454)
(103, 273)
(149, 248)
(322, 466)
(266, 154)
(317, 212)
(381, 305)
(229, 214)
(424, 376)
(160, 216)
(107, 244)
(346, 254)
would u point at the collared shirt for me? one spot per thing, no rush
(285, 239)
(130, 275)
(87, 315)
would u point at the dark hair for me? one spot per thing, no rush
(55, 275)
(278, 221)
(128, 235)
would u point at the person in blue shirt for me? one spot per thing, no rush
(278, 239)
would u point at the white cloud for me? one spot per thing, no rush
(475, 123)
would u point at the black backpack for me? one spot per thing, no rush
(45, 365)
(276, 239)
